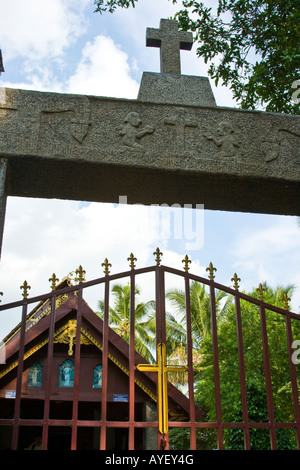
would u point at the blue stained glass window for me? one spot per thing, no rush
(97, 381)
(35, 375)
(66, 374)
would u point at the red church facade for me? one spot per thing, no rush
(69, 414)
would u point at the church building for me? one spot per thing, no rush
(60, 388)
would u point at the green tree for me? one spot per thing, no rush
(252, 47)
(254, 370)
(200, 309)
(145, 329)
(119, 318)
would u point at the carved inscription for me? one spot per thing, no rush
(148, 135)
(132, 132)
(272, 146)
(270, 149)
(180, 121)
(225, 139)
(79, 129)
(63, 121)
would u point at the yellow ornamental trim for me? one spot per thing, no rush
(61, 336)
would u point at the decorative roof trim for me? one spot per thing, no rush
(91, 339)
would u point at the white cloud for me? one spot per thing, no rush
(58, 236)
(281, 237)
(40, 35)
(270, 254)
(40, 29)
(42, 79)
(103, 71)
(42, 237)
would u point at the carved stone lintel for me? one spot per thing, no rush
(200, 143)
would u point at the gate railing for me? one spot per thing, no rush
(193, 425)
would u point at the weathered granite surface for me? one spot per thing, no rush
(176, 89)
(3, 173)
(171, 145)
(207, 148)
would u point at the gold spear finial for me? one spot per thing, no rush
(286, 301)
(158, 254)
(132, 259)
(53, 279)
(261, 291)
(106, 266)
(235, 280)
(186, 262)
(80, 274)
(25, 287)
(211, 270)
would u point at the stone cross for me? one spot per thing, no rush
(180, 122)
(170, 41)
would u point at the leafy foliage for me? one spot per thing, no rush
(111, 5)
(254, 370)
(256, 47)
(200, 309)
(229, 365)
(119, 316)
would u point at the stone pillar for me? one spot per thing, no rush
(3, 196)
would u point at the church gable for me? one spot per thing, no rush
(63, 360)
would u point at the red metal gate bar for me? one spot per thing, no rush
(162, 440)
(266, 356)
(77, 371)
(16, 419)
(131, 362)
(48, 374)
(104, 366)
(216, 366)
(16, 422)
(295, 392)
(161, 310)
(242, 371)
(193, 445)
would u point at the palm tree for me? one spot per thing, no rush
(145, 323)
(200, 324)
(119, 318)
(278, 296)
(200, 309)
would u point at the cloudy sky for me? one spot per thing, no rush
(62, 46)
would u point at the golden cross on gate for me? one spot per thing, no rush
(162, 368)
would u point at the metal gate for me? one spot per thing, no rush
(194, 427)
